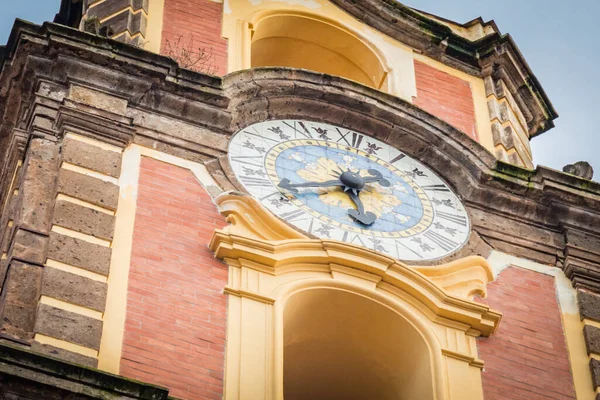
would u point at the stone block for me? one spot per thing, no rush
(68, 326)
(595, 370)
(29, 247)
(38, 188)
(63, 354)
(23, 283)
(592, 339)
(90, 189)
(92, 157)
(83, 219)
(18, 321)
(74, 289)
(79, 253)
(589, 305)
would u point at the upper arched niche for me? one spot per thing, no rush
(302, 41)
(339, 345)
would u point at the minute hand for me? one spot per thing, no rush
(286, 184)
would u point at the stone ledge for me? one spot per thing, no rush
(81, 382)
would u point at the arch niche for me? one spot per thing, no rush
(298, 40)
(322, 319)
(338, 345)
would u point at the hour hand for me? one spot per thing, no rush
(376, 176)
(366, 218)
(292, 187)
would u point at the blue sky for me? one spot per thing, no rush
(556, 37)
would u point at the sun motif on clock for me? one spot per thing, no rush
(335, 183)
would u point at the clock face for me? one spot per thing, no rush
(339, 184)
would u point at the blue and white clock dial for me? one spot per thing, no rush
(339, 184)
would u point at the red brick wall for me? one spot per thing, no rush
(447, 97)
(176, 311)
(527, 358)
(197, 24)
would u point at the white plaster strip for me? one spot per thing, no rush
(83, 203)
(567, 300)
(94, 142)
(63, 305)
(89, 172)
(79, 235)
(75, 270)
(62, 344)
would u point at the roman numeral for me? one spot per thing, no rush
(305, 132)
(255, 182)
(352, 239)
(435, 188)
(399, 243)
(440, 240)
(356, 138)
(250, 160)
(291, 215)
(261, 136)
(397, 158)
(457, 219)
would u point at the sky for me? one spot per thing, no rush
(556, 37)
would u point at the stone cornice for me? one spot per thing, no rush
(191, 115)
(481, 58)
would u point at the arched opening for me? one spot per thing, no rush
(339, 345)
(302, 42)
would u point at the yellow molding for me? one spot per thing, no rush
(83, 203)
(12, 182)
(94, 142)
(248, 294)
(61, 344)
(63, 305)
(121, 11)
(75, 270)
(156, 9)
(474, 362)
(593, 323)
(257, 236)
(79, 235)
(89, 172)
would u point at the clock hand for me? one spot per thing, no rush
(366, 218)
(376, 176)
(286, 184)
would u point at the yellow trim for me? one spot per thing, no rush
(573, 326)
(121, 11)
(63, 305)
(78, 235)
(593, 323)
(75, 270)
(61, 344)
(82, 203)
(94, 142)
(113, 330)
(156, 9)
(89, 172)
(269, 263)
(482, 116)
(109, 358)
(12, 182)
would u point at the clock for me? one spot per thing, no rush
(336, 183)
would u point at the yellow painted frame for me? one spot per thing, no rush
(269, 262)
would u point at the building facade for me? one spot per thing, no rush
(308, 199)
